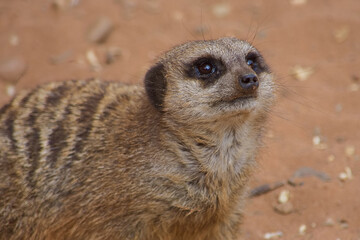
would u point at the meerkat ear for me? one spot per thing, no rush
(155, 85)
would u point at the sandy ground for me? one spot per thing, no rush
(312, 46)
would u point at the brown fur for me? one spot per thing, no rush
(97, 160)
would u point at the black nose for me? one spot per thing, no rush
(249, 82)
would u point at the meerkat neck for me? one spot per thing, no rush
(217, 147)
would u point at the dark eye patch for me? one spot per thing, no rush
(207, 69)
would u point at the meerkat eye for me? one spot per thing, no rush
(252, 61)
(205, 68)
(254, 65)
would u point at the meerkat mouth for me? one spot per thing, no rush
(238, 104)
(241, 98)
(237, 99)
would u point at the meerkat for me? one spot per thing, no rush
(168, 161)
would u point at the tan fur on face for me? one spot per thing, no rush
(98, 160)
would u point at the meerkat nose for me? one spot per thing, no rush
(249, 82)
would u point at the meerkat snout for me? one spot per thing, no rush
(249, 82)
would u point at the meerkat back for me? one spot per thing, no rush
(100, 160)
(49, 136)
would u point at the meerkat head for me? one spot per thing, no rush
(210, 80)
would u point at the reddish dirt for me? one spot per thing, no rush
(287, 35)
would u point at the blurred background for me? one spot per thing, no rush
(311, 159)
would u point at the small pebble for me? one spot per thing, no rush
(93, 60)
(318, 143)
(301, 73)
(14, 40)
(284, 196)
(350, 151)
(331, 158)
(12, 69)
(100, 30)
(329, 222)
(343, 176)
(112, 54)
(302, 229)
(58, 4)
(298, 2)
(273, 235)
(10, 90)
(221, 10)
(354, 87)
(316, 140)
(284, 208)
(341, 34)
(63, 4)
(343, 224)
(348, 172)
